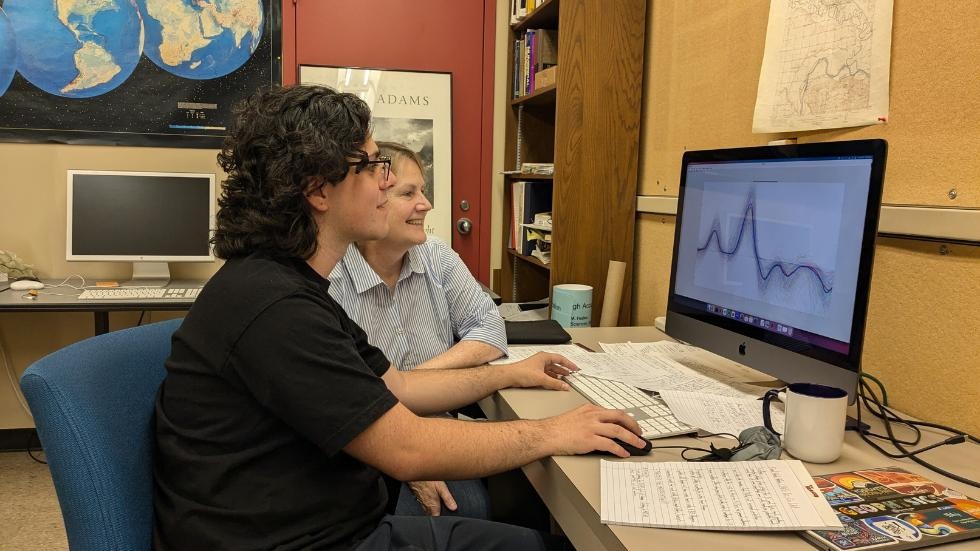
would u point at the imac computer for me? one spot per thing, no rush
(772, 257)
(147, 218)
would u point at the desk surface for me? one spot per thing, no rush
(65, 299)
(569, 486)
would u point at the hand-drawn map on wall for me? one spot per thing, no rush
(825, 65)
(132, 72)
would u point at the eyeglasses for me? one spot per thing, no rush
(383, 162)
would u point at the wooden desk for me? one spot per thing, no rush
(569, 486)
(65, 299)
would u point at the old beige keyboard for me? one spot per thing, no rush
(137, 293)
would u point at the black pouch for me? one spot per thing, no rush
(536, 332)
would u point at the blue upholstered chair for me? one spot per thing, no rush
(93, 406)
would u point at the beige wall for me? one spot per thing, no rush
(702, 68)
(501, 103)
(32, 225)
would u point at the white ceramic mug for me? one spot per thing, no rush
(815, 419)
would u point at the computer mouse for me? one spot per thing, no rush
(25, 283)
(631, 449)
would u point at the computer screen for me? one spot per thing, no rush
(148, 218)
(773, 253)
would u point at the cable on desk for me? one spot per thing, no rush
(877, 408)
(64, 283)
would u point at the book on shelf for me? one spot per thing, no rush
(544, 169)
(527, 199)
(892, 509)
(534, 233)
(534, 51)
(542, 251)
(546, 49)
(516, 88)
(529, 61)
(518, 9)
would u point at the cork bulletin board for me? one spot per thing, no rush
(702, 66)
(702, 71)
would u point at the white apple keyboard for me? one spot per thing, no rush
(131, 293)
(650, 412)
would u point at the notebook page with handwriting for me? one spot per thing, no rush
(744, 495)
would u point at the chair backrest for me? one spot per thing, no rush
(93, 407)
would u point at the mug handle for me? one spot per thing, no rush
(766, 418)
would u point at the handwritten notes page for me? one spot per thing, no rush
(743, 495)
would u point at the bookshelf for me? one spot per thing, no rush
(587, 123)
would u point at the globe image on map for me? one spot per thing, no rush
(76, 48)
(201, 39)
(8, 52)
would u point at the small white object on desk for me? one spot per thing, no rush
(26, 285)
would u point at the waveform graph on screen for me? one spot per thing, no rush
(766, 242)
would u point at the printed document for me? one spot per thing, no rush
(743, 495)
(717, 414)
(517, 353)
(656, 374)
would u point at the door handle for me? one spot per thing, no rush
(464, 226)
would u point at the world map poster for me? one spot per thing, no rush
(132, 72)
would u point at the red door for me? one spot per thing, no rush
(451, 36)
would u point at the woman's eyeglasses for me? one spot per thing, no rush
(383, 162)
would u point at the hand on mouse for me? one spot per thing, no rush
(544, 369)
(591, 428)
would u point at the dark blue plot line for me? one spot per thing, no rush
(763, 273)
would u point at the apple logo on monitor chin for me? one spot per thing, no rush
(741, 349)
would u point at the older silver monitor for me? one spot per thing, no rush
(773, 253)
(147, 218)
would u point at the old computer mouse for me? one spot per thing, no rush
(631, 449)
(25, 283)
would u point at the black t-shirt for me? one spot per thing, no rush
(267, 381)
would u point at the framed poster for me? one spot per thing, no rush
(132, 72)
(413, 108)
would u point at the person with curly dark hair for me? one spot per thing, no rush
(277, 417)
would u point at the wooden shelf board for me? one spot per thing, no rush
(523, 176)
(529, 259)
(541, 96)
(545, 16)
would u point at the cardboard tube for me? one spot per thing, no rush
(614, 293)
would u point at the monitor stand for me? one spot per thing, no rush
(149, 274)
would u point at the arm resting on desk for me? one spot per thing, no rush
(463, 354)
(427, 391)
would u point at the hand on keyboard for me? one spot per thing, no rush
(591, 428)
(655, 418)
(544, 369)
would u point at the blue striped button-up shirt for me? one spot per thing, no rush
(436, 303)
